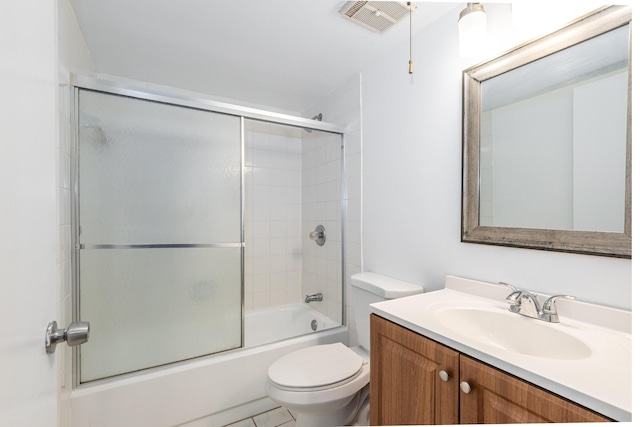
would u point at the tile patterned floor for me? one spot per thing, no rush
(279, 417)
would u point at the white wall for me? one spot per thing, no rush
(28, 229)
(412, 151)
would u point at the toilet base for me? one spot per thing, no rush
(362, 417)
(341, 416)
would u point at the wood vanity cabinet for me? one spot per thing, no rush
(417, 381)
(406, 387)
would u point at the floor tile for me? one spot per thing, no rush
(244, 423)
(273, 418)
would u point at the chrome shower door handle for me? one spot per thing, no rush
(77, 333)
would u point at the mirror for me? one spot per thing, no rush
(547, 141)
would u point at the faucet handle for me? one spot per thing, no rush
(549, 311)
(513, 288)
(513, 298)
(549, 305)
(515, 295)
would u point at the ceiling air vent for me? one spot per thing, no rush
(375, 15)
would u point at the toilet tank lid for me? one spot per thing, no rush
(384, 286)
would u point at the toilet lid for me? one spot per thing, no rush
(315, 366)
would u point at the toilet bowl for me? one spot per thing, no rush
(328, 385)
(324, 384)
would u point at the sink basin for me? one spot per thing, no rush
(585, 358)
(512, 332)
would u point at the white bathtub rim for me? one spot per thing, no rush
(298, 318)
(174, 396)
(203, 361)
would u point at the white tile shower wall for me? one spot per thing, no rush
(273, 259)
(321, 195)
(343, 106)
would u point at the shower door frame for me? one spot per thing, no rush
(180, 98)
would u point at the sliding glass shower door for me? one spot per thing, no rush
(159, 232)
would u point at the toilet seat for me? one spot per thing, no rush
(316, 368)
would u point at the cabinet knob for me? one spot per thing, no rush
(444, 376)
(465, 387)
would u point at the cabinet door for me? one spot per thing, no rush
(499, 398)
(406, 386)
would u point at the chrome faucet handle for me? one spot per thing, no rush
(513, 288)
(549, 312)
(550, 303)
(513, 298)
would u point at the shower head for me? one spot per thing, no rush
(317, 117)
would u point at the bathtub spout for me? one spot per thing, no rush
(314, 297)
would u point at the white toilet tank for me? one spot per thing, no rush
(368, 288)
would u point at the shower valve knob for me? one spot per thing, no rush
(77, 333)
(314, 235)
(318, 235)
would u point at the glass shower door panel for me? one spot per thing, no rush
(157, 173)
(151, 307)
(159, 215)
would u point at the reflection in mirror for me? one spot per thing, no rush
(547, 141)
(568, 174)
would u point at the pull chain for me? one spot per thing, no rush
(410, 31)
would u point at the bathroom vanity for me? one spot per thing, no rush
(459, 356)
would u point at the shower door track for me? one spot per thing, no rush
(183, 98)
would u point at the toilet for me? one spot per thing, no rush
(328, 385)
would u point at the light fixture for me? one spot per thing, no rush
(472, 30)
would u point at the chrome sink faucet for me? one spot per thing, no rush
(526, 303)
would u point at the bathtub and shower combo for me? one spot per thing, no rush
(192, 221)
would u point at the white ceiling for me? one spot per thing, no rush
(285, 54)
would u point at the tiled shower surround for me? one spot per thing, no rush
(273, 215)
(292, 184)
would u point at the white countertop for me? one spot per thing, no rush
(601, 381)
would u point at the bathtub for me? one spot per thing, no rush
(273, 324)
(209, 391)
